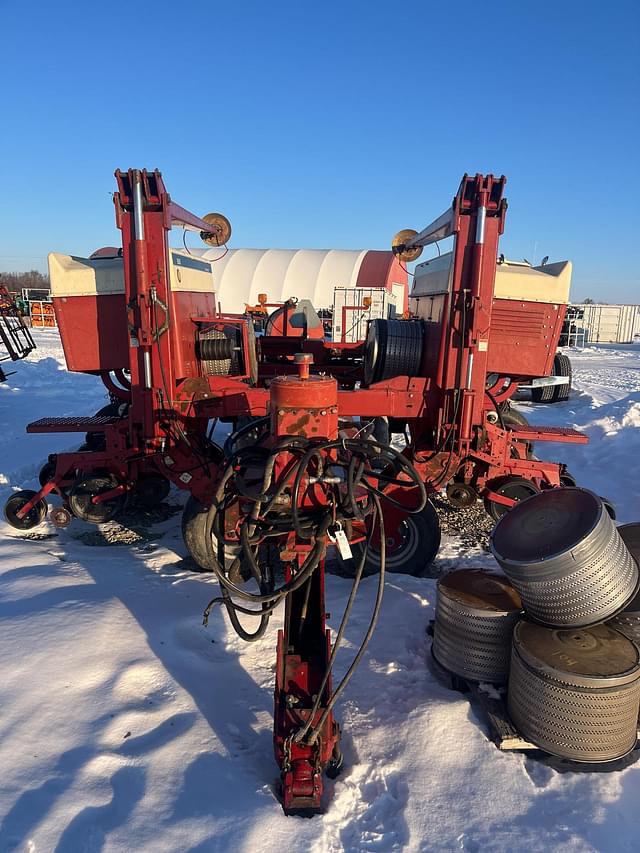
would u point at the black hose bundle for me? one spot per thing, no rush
(353, 473)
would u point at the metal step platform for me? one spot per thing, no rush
(98, 423)
(542, 433)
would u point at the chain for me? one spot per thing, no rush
(286, 750)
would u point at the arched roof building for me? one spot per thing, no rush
(241, 274)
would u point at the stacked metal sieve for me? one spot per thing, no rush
(574, 683)
(628, 620)
(476, 612)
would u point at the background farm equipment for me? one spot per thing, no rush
(15, 338)
(301, 471)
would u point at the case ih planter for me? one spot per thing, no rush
(146, 322)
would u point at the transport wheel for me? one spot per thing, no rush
(412, 543)
(194, 520)
(543, 394)
(516, 488)
(561, 367)
(461, 495)
(33, 518)
(152, 489)
(86, 488)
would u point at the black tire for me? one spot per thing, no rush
(33, 518)
(567, 479)
(381, 432)
(87, 487)
(517, 488)
(543, 394)
(561, 367)
(418, 549)
(512, 417)
(393, 348)
(199, 546)
(461, 495)
(152, 489)
(47, 473)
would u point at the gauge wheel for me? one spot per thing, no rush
(33, 518)
(461, 495)
(86, 488)
(516, 488)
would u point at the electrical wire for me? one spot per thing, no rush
(403, 267)
(187, 250)
(412, 274)
(226, 252)
(355, 323)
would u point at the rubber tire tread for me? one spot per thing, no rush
(194, 520)
(194, 523)
(512, 417)
(402, 351)
(562, 367)
(543, 394)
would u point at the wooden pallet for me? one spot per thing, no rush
(503, 732)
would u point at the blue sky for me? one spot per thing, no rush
(327, 124)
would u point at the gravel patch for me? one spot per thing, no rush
(471, 526)
(133, 526)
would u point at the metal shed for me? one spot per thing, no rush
(618, 324)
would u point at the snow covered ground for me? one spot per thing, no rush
(127, 726)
